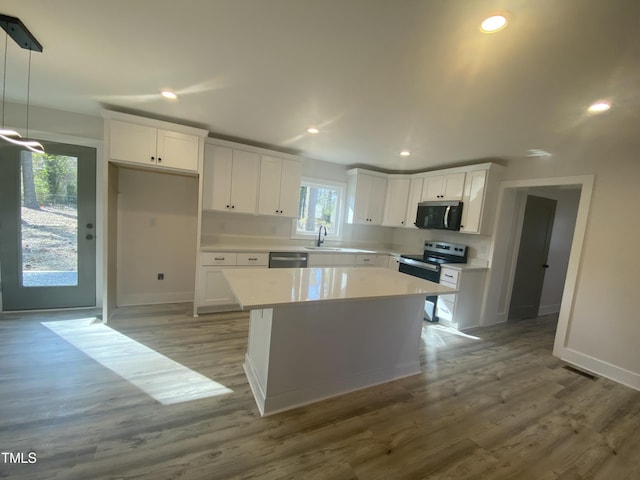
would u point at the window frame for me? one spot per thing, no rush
(341, 187)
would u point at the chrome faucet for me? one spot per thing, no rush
(321, 240)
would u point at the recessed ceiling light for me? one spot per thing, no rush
(169, 94)
(538, 152)
(312, 130)
(599, 107)
(493, 24)
(405, 153)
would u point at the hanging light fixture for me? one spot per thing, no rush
(15, 29)
(6, 133)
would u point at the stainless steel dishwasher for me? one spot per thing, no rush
(287, 260)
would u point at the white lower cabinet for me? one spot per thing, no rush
(461, 310)
(393, 262)
(366, 260)
(344, 260)
(214, 294)
(214, 290)
(319, 260)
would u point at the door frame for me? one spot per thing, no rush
(100, 210)
(502, 259)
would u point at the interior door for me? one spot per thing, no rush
(532, 257)
(47, 227)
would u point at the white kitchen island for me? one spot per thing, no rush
(315, 333)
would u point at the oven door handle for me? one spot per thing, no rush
(447, 212)
(413, 263)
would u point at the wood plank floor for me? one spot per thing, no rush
(498, 406)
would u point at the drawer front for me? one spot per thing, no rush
(449, 276)
(257, 259)
(218, 258)
(366, 260)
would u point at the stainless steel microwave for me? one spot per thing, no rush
(439, 215)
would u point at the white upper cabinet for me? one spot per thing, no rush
(472, 201)
(230, 180)
(443, 187)
(395, 207)
(366, 196)
(177, 150)
(415, 195)
(279, 187)
(403, 195)
(479, 200)
(147, 145)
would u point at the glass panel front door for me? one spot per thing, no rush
(47, 233)
(49, 223)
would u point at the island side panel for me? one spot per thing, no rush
(323, 349)
(256, 364)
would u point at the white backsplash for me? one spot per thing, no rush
(233, 228)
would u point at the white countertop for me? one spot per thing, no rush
(466, 267)
(257, 288)
(472, 265)
(261, 248)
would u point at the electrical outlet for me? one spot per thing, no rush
(161, 276)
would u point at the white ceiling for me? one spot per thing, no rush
(376, 76)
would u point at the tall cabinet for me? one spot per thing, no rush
(140, 154)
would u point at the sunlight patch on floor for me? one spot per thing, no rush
(163, 379)
(437, 334)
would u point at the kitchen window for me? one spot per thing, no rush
(320, 203)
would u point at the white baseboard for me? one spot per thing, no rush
(598, 367)
(133, 299)
(548, 309)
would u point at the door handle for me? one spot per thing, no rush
(545, 266)
(89, 236)
(89, 225)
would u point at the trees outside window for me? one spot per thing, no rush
(320, 205)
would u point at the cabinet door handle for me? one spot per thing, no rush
(252, 259)
(153, 158)
(219, 258)
(159, 159)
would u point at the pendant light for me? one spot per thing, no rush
(5, 133)
(23, 37)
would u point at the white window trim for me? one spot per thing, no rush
(318, 182)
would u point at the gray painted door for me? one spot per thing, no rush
(532, 257)
(47, 227)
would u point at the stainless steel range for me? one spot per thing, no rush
(428, 266)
